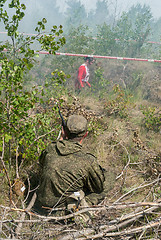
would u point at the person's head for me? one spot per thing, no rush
(89, 60)
(76, 127)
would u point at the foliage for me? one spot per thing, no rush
(95, 127)
(76, 14)
(155, 36)
(100, 16)
(99, 83)
(118, 105)
(156, 30)
(78, 40)
(133, 29)
(123, 31)
(152, 119)
(140, 14)
(141, 25)
(105, 43)
(137, 78)
(134, 83)
(18, 128)
(54, 86)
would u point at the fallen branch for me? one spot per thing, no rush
(108, 232)
(105, 230)
(115, 206)
(135, 230)
(126, 164)
(19, 226)
(137, 188)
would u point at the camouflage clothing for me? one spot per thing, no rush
(67, 168)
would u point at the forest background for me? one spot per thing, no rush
(122, 107)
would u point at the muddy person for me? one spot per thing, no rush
(83, 75)
(70, 176)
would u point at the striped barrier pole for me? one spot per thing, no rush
(98, 56)
(104, 57)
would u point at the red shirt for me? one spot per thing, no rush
(83, 76)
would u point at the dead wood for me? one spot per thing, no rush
(109, 230)
(138, 188)
(19, 226)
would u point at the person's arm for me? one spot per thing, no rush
(81, 72)
(94, 184)
(108, 184)
(95, 178)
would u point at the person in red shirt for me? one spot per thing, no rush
(83, 74)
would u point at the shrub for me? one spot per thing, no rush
(152, 119)
(119, 103)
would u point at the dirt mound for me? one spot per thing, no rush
(91, 104)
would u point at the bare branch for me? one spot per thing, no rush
(137, 188)
(18, 229)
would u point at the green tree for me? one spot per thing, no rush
(124, 35)
(133, 29)
(78, 40)
(156, 36)
(17, 127)
(100, 15)
(75, 14)
(140, 12)
(105, 43)
(156, 30)
(140, 16)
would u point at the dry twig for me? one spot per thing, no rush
(18, 229)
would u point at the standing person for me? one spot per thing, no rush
(83, 74)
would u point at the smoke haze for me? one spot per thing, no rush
(122, 5)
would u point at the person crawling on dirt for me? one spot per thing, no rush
(83, 74)
(70, 176)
